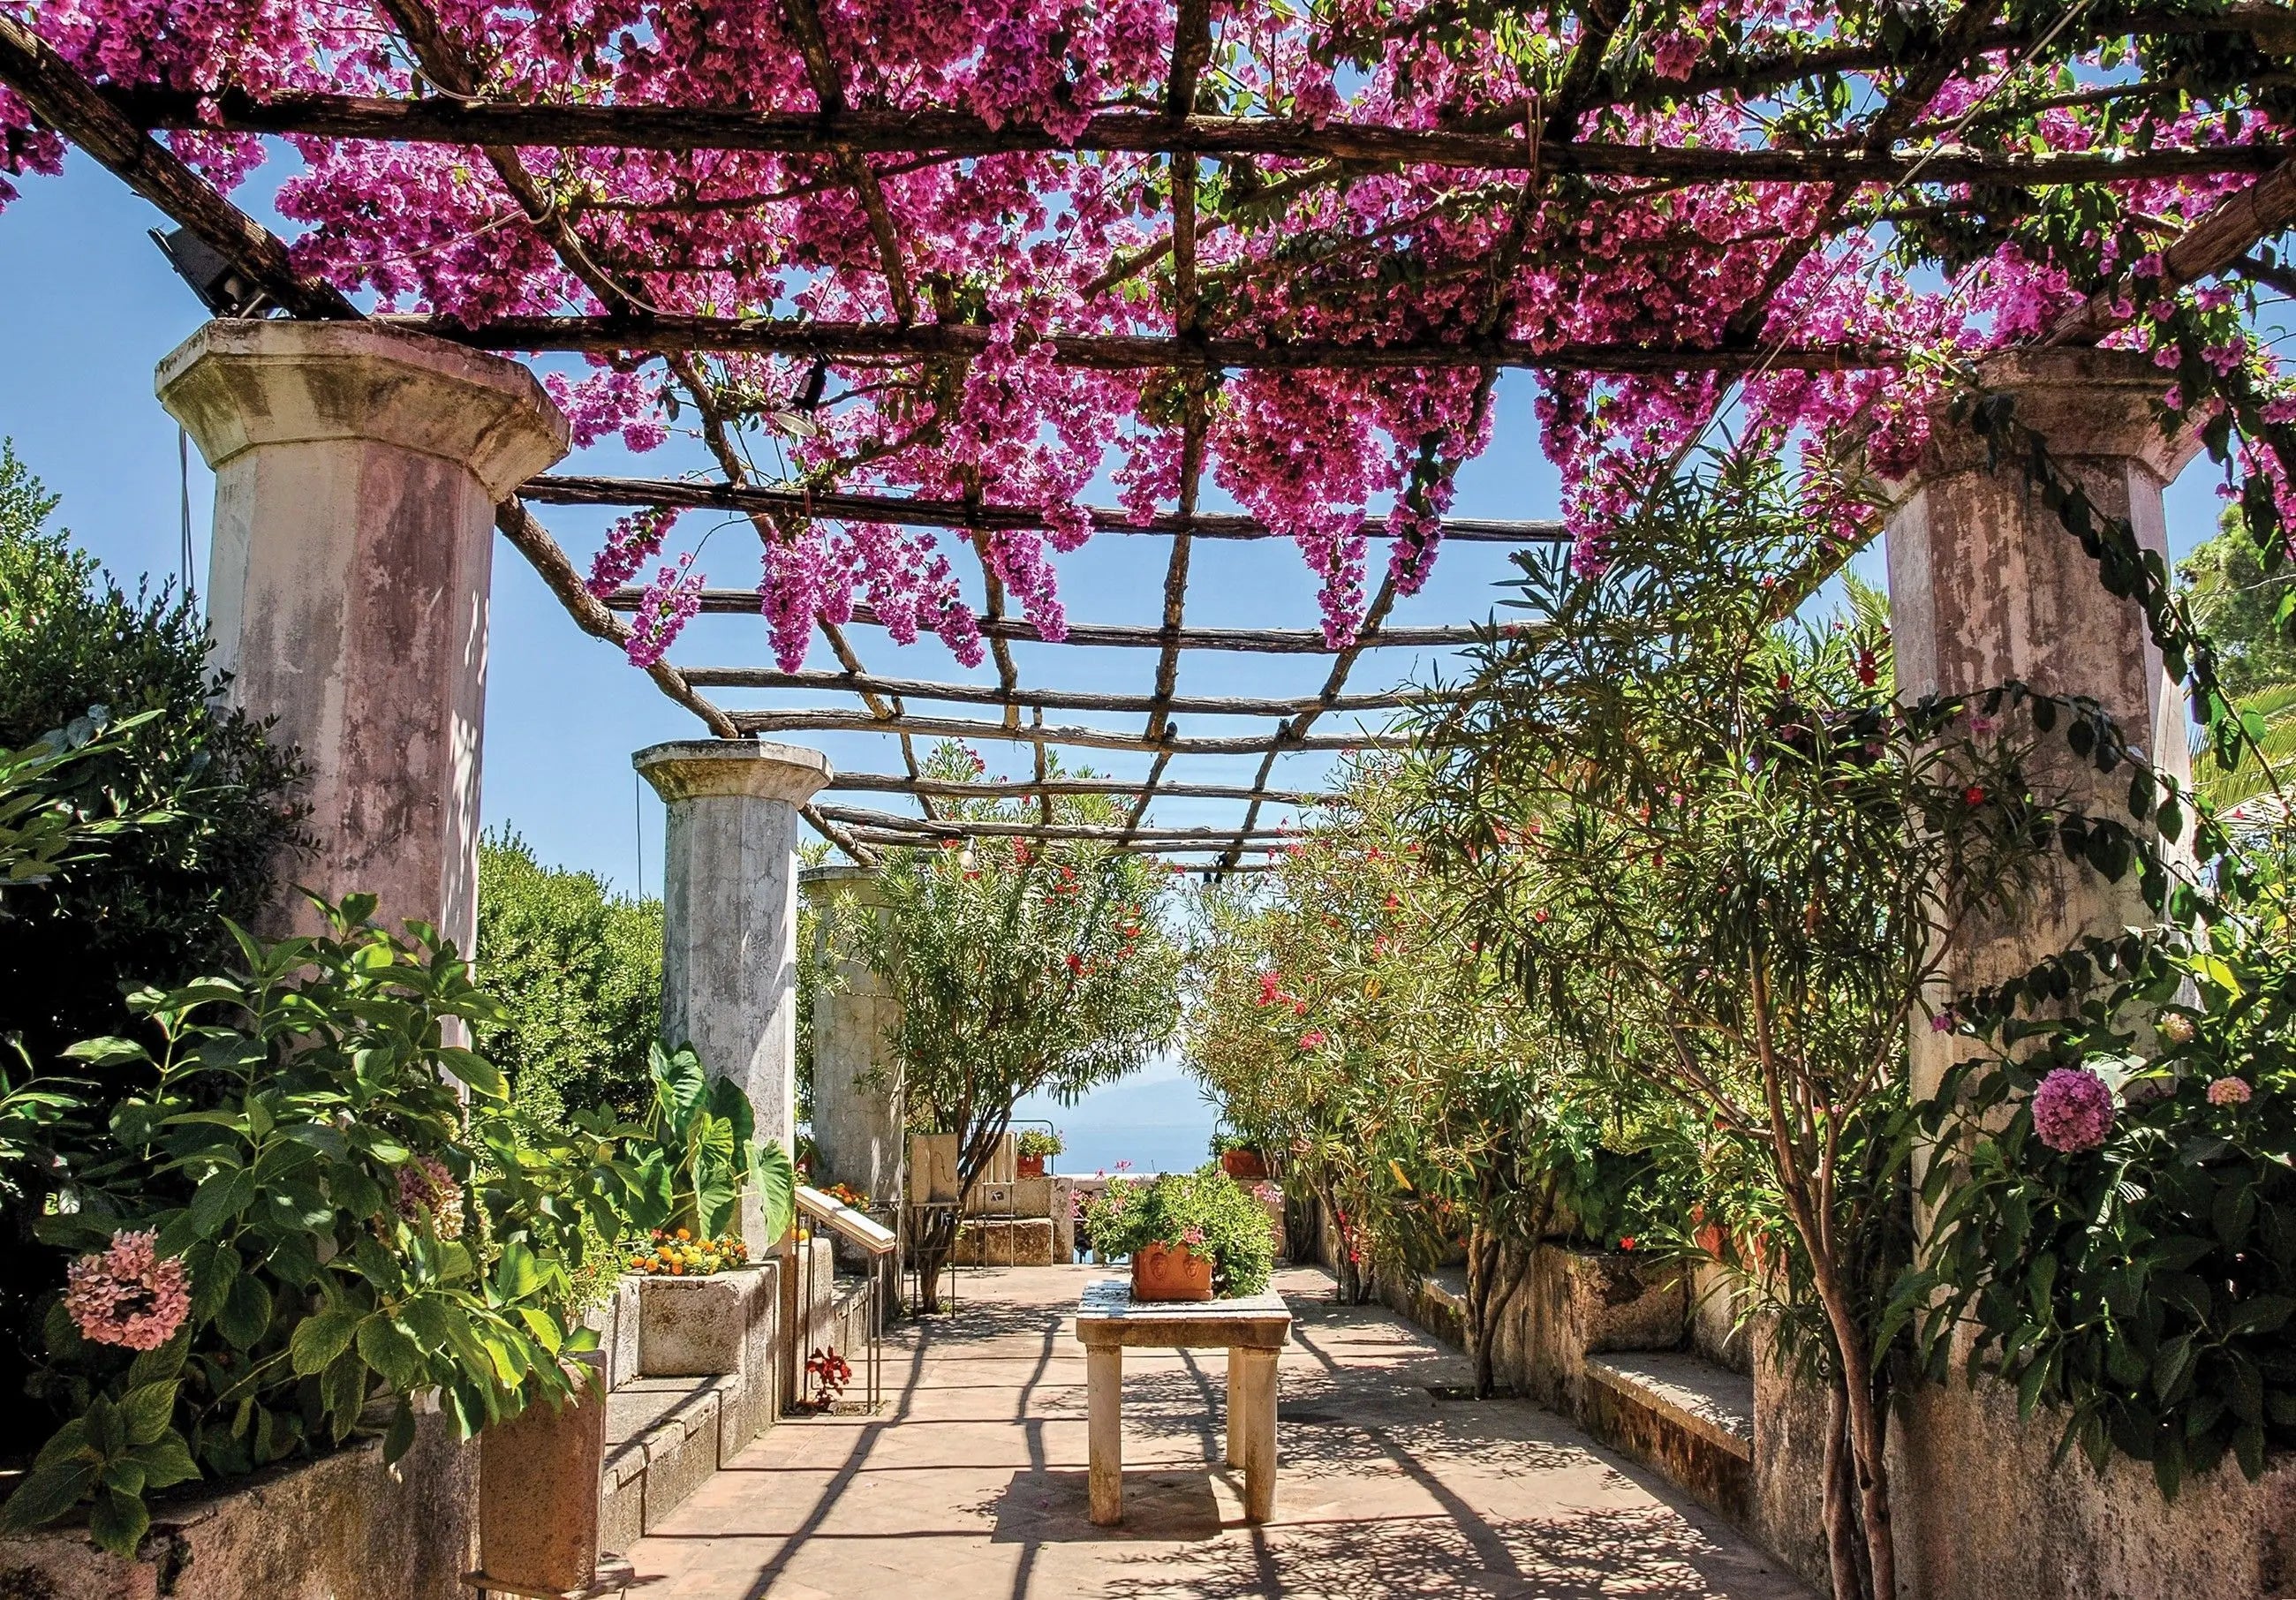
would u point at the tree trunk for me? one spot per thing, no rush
(1346, 1271)
(1494, 1275)
(1868, 1443)
(935, 1243)
(1840, 1498)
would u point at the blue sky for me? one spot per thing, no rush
(88, 308)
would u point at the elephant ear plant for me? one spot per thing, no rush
(295, 1228)
(698, 1152)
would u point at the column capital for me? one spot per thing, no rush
(865, 884)
(2085, 404)
(239, 383)
(694, 769)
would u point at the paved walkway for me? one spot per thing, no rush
(972, 1481)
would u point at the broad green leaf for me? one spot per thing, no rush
(400, 1436)
(387, 1347)
(48, 1491)
(318, 1339)
(116, 1522)
(148, 1410)
(167, 1461)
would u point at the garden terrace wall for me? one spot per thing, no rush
(340, 1526)
(1981, 1509)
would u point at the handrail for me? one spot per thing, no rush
(845, 1222)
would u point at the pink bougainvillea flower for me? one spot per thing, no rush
(129, 1295)
(2072, 1110)
(2230, 1091)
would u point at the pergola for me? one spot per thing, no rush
(1880, 159)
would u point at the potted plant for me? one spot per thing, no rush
(1190, 1235)
(1035, 1145)
(1240, 1157)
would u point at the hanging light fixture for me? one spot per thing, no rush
(220, 286)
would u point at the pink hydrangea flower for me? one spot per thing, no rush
(2230, 1091)
(2072, 1110)
(129, 1295)
(427, 1189)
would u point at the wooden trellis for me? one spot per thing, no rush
(115, 125)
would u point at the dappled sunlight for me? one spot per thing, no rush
(974, 1482)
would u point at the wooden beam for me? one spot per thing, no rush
(895, 838)
(439, 121)
(1111, 352)
(958, 827)
(2216, 243)
(76, 109)
(894, 783)
(543, 553)
(830, 721)
(1055, 700)
(1260, 641)
(908, 512)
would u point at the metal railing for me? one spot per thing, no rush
(876, 1244)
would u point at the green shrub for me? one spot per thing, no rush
(1206, 1210)
(294, 1212)
(576, 971)
(2138, 1281)
(150, 909)
(1038, 1141)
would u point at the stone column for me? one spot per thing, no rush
(729, 915)
(857, 1105)
(1986, 586)
(356, 472)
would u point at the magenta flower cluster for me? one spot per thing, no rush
(128, 1293)
(1025, 243)
(2072, 1110)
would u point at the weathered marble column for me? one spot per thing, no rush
(356, 472)
(856, 1107)
(729, 915)
(1986, 586)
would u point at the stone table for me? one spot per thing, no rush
(1252, 1330)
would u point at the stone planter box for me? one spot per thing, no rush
(343, 1525)
(538, 1499)
(996, 1242)
(725, 1324)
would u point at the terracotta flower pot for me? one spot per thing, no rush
(1170, 1272)
(1243, 1165)
(1030, 1166)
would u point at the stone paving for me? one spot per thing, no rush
(970, 1481)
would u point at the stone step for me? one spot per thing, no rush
(664, 1437)
(1682, 1416)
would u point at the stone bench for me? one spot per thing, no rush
(1686, 1418)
